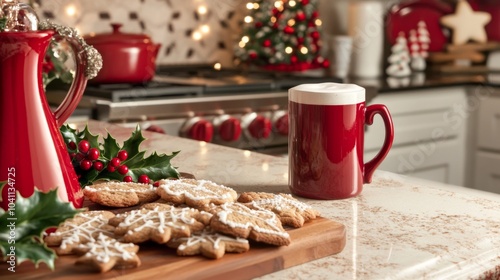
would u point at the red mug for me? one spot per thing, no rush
(326, 137)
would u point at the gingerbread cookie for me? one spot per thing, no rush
(159, 224)
(105, 252)
(195, 193)
(120, 194)
(209, 244)
(80, 229)
(238, 220)
(290, 211)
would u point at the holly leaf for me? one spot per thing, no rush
(22, 226)
(155, 166)
(3, 23)
(70, 134)
(91, 138)
(132, 144)
(110, 148)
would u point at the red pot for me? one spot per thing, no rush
(126, 58)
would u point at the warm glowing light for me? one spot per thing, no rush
(202, 10)
(248, 19)
(318, 22)
(250, 6)
(70, 10)
(196, 35)
(247, 153)
(217, 66)
(265, 166)
(291, 22)
(292, 3)
(256, 6)
(242, 44)
(202, 143)
(205, 28)
(278, 4)
(273, 19)
(245, 39)
(304, 50)
(288, 50)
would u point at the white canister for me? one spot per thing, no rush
(365, 26)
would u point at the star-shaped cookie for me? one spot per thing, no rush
(290, 211)
(105, 252)
(238, 220)
(209, 244)
(159, 224)
(467, 24)
(80, 229)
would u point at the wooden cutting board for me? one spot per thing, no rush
(316, 239)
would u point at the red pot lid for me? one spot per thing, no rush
(116, 36)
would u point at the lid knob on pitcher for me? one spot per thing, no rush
(17, 17)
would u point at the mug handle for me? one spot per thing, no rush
(371, 111)
(88, 63)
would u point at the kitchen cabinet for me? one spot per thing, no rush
(429, 134)
(487, 157)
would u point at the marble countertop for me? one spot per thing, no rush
(398, 228)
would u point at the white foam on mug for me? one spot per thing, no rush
(327, 94)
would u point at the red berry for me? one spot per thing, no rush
(72, 155)
(111, 168)
(122, 155)
(72, 145)
(156, 184)
(127, 179)
(85, 164)
(123, 169)
(79, 157)
(144, 179)
(115, 162)
(98, 165)
(83, 146)
(93, 154)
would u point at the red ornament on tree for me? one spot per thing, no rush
(252, 55)
(300, 40)
(289, 30)
(305, 2)
(266, 43)
(293, 59)
(314, 14)
(258, 24)
(300, 16)
(315, 35)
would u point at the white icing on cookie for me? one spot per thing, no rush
(104, 248)
(77, 233)
(282, 202)
(230, 213)
(197, 189)
(115, 187)
(207, 235)
(158, 218)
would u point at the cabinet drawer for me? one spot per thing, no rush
(489, 124)
(487, 175)
(418, 116)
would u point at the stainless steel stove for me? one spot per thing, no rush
(231, 107)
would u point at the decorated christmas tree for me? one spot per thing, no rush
(399, 59)
(281, 35)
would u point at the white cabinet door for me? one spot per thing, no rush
(429, 134)
(489, 124)
(441, 161)
(487, 175)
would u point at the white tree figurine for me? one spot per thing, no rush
(399, 59)
(419, 44)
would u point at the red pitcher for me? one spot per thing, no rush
(32, 151)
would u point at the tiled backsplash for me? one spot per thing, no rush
(190, 31)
